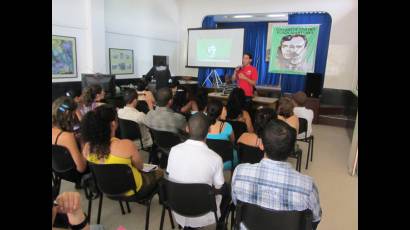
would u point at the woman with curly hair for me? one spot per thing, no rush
(102, 147)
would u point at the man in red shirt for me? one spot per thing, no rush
(246, 75)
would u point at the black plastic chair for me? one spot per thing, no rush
(303, 127)
(255, 217)
(222, 148)
(249, 154)
(164, 141)
(63, 167)
(189, 200)
(114, 181)
(238, 127)
(130, 130)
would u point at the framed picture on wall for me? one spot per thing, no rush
(64, 57)
(121, 61)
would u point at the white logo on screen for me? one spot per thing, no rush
(211, 51)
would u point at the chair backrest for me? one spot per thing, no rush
(256, 217)
(129, 129)
(63, 164)
(114, 180)
(222, 148)
(249, 154)
(238, 127)
(303, 125)
(189, 200)
(164, 139)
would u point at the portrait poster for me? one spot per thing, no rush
(63, 57)
(269, 37)
(293, 49)
(121, 61)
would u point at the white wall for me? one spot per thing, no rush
(342, 54)
(149, 27)
(70, 18)
(84, 20)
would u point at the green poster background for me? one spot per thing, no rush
(278, 32)
(221, 49)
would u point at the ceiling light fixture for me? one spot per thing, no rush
(243, 16)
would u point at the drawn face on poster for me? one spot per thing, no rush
(291, 52)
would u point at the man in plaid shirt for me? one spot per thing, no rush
(273, 183)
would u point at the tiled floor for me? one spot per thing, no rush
(337, 189)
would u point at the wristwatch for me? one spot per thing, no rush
(81, 225)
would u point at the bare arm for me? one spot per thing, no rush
(71, 144)
(136, 158)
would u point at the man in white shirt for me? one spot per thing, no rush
(301, 111)
(193, 162)
(129, 112)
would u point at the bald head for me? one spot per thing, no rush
(198, 126)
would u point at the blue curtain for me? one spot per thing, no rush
(207, 23)
(255, 43)
(325, 21)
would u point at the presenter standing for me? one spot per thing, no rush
(246, 76)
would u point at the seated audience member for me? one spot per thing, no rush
(285, 113)
(182, 103)
(63, 119)
(262, 118)
(293, 190)
(219, 129)
(102, 147)
(129, 112)
(236, 108)
(144, 94)
(163, 118)
(201, 99)
(74, 94)
(301, 111)
(69, 203)
(173, 85)
(193, 162)
(90, 99)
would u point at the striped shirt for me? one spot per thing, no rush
(275, 185)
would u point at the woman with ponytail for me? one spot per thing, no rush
(63, 120)
(102, 147)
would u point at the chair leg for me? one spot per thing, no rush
(147, 215)
(122, 208)
(171, 219)
(99, 209)
(90, 202)
(298, 162)
(128, 206)
(308, 156)
(313, 141)
(161, 225)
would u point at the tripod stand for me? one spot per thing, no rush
(216, 81)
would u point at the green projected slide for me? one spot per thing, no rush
(217, 50)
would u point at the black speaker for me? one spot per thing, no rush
(159, 60)
(313, 84)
